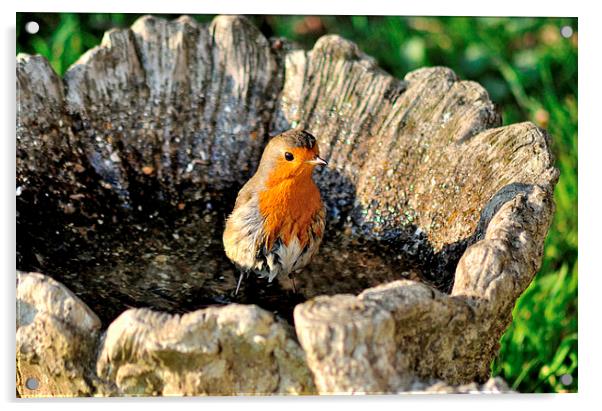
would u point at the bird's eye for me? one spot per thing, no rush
(288, 156)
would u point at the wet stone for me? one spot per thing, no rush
(172, 259)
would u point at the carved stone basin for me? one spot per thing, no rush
(127, 167)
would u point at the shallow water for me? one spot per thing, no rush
(174, 261)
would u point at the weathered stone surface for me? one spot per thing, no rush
(412, 162)
(232, 350)
(129, 157)
(56, 338)
(127, 167)
(425, 333)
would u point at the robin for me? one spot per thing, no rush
(278, 219)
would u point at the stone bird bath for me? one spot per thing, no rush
(127, 166)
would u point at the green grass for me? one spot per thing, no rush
(530, 71)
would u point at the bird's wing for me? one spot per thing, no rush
(245, 194)
(316, 230)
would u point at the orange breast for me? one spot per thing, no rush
(289, 209)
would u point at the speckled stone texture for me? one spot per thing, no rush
(128, 164)
(56, 339)
(230, 350)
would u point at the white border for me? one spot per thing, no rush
(372, 7)
(589, 185)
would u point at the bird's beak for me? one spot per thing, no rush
(317, 161)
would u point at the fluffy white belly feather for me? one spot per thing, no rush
(244, 237)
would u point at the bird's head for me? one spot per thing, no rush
(290, 155)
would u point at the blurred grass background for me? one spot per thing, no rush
(529, 67)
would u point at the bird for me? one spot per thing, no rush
(278, 219)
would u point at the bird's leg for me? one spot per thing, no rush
(242, 274)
